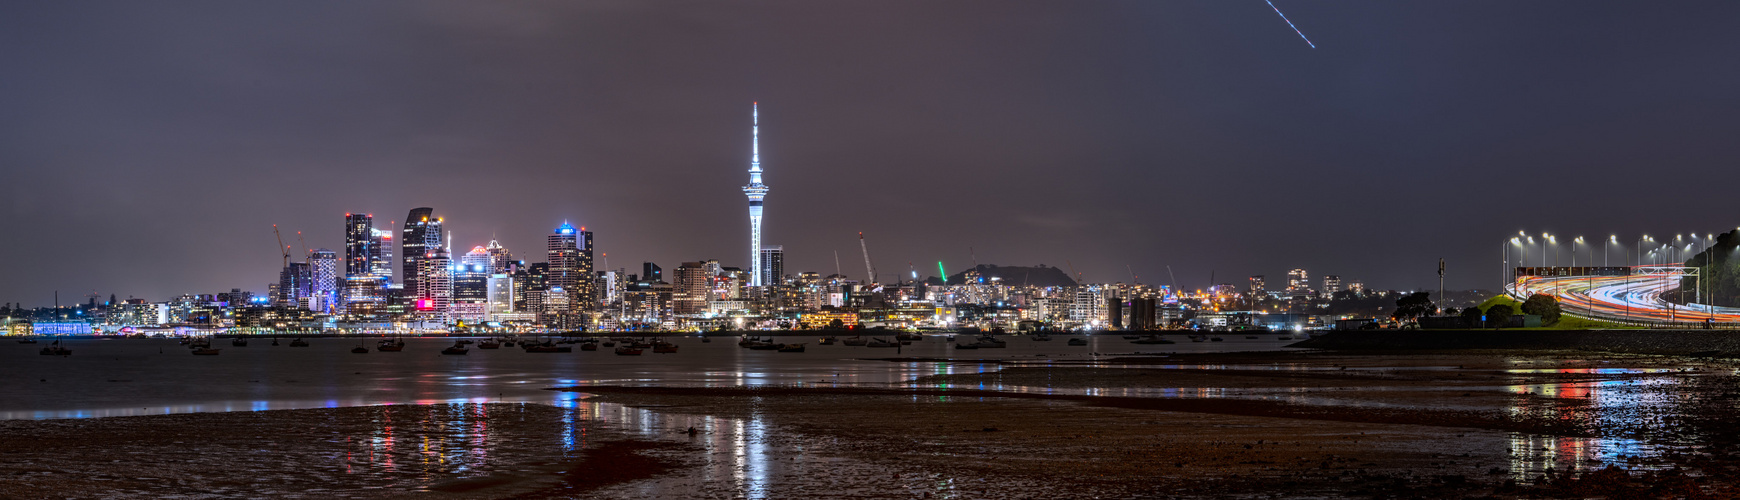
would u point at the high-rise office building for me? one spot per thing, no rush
(412, 250)
(651, 273)
(564, 259)
(772, 265)
(755, 191)
(382, 260)
(1257, 286)
(500, 260)
(435, 283)
(359, 239)
(294, 285)
(323, 267)
(691, 287)
(501, 294)
(476, 261)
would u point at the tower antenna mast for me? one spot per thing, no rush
(755, 191)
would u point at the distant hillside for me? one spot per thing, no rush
(1041, 276)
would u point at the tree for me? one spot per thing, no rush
(1545, 306)
(1471, 315)
(1499, 314)
(1413, 306)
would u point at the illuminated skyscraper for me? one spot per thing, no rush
(323, 268)
(1257, 286)
(500, 261)
(412, 249)
(382, 261)
(564, 259)
(435, 283)
(771, 266)
(755, 191)
(358, 244)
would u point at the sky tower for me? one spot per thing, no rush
(755, 191)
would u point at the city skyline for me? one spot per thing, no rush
(1189, 136)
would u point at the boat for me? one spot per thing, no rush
(359, 350)
(1132, 337)
(764, 346)
(855, 341)
(55, 349)
(298, 343)
(1197, 339)
(988, 341)
(1078, 342)
(791, 348)
(200, 343)
(706, 340)
(1215, 339)
(610, 344)
(507, 343)
(1286, 337)
(274, 341)
(462, 342)
(749, 341)
(1151, 340)
(238, 342)
(966, 346)
(206, 351)
(489, 344)
(457, 349)
(950, 338)
(881, 343)
(27, 341)
(827, 341)
(547, 347)
(908, 336)
(393, 347)
(589, 346)
(627, 351)
(1042, 337)
(662, 347)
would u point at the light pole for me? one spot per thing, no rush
(1513, 278)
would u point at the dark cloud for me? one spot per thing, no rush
(148, 147)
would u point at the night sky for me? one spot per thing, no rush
(146, 148)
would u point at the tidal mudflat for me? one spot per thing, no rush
(1285, 424)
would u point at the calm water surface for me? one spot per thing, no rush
(154, 376)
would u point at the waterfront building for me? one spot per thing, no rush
(756, 191)
(412, 248)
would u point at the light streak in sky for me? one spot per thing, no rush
(1290, 24)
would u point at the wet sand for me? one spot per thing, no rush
(1297, 424)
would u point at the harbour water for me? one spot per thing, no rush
(121, 377)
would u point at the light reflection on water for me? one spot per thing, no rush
(157, 376)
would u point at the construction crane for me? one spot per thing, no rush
(867, 267)
(304, 244)
(1133, 279)
(281, 247)
(1073, 271)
